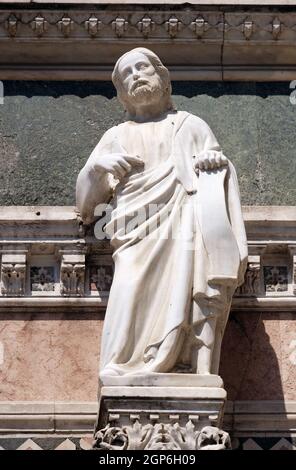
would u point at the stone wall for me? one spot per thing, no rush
(48, 129)
(54, 357)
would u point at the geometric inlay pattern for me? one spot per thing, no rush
(85, 443)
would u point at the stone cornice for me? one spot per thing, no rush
(241, 417)
(205, 41)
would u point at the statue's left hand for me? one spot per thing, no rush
(210, 160)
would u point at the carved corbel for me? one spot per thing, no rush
(93, 26)
(72, 279)
(160, 436)
(39, 26)
(13, 274)
(11, 25)
(119, 26)
(248, 28)
(252, 284)
(173, 26)
(72, 273)
(276, 28)
(146, 26)
(66, 26)
(199, 26)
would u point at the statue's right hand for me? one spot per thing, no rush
(118, 164)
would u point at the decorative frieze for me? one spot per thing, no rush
(276, 278)
(167, 23)
(52, 441)
(220, 39)
(82, 269)
(42, 278)
(161, 436)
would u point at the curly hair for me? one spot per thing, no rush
(160, 69)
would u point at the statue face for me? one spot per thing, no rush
(140, 80)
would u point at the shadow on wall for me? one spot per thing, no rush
(256, 357)
(190, 89)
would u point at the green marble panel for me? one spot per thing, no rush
(48, 129)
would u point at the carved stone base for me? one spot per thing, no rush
(167, 411)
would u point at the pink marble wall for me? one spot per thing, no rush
(259, 356)
(55, 356)
(49, 357)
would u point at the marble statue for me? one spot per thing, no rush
(177, 268)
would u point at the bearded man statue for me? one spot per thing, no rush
(177, 267)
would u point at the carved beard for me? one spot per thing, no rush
(149, 92)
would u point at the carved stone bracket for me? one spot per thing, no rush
(39, 26)
(161, 412)
(248, 28)
(173, 26)
(276, 28)
(66, 26)
(146, 26)
(72, 273)
(93, 26)
(199, 26)
(252, 284)
(161, 436)
(119, 26)
(13, 274)
(11, 25)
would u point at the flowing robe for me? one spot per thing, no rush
(177, 266)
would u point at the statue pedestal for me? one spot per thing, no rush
(161, 411)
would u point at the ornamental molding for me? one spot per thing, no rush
(78, 418)
(73, 275)
(50, 260)
(39, 25)
(190, 23)
(13, 272)
(199, 42)
(161, 436)
(153, 418)
(93, 25)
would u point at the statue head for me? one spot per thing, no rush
(142, 80)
